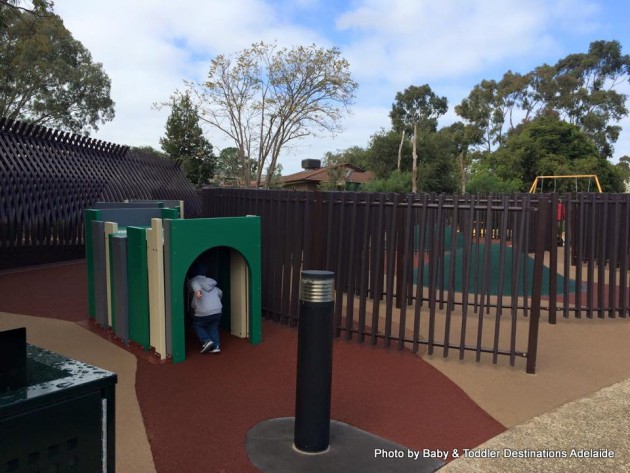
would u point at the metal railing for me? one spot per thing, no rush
(592, 232)
(445, 274)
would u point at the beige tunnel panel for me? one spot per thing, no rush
(239, 295)
(155, 267)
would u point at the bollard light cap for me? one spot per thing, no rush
(317, 286)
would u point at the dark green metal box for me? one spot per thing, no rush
(61, 420)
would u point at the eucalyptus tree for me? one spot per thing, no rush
(483, 109)
(462, 138)
(416, 108)
(588, 95)
(584, 89)
(382, 151)
(38, 7)
(550, 146)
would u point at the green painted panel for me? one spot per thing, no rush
(90, 216)
(120, 287)
(189, 239)
(138, 286)
(170, 213)
(112, 301)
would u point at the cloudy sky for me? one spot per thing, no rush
(149, 47)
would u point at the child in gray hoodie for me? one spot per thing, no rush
(206, 302)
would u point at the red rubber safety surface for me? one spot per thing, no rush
(197, 413)
(55, 291)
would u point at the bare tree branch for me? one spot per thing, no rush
(265, 97)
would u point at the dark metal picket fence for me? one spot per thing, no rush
(49, 177)
(447, 274)
(593, 250)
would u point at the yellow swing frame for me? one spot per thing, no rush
(532, 189)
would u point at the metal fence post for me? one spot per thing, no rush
(541, 237)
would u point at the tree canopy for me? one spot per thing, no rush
(416, 110)
(46, 76)
(38, 7)
(555, 120)
(265, 98)
(549, 146)
(582, 89)
(232, 171)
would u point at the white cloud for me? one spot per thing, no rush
(403, 41)
(360, 126)
(148, 47)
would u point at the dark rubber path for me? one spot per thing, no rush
(197, 413)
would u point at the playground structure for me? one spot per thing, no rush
(560, 207)
(138, 255)
(590, 177)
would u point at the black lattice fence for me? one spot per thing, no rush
(49, 177)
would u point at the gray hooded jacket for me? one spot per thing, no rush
(210, 302)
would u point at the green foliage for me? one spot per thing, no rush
(337, 169)
(382, 154)
(46, 76)
(555, 120)
(184, 141)
(231, 170)
(417, 106)
(396, 182)
(436, 170)
(492, 169)
(483, 182)
(583, 89)
(416, 111)
(336, 179)
(354, 155)
(482, 110)
(36, 7)
(610, 178)
(274, 180)
(545, 146)
(623, 169)
(587, 97)
(548, 146)
(462, 139)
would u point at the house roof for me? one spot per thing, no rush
(358, 175)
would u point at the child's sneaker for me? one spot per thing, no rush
(215, 350)
(207, 346)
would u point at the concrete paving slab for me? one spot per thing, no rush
(591, 434)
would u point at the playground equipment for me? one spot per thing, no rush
(138, 259)
(590, 177)
(560, 210)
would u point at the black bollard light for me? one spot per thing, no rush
(314, 362)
